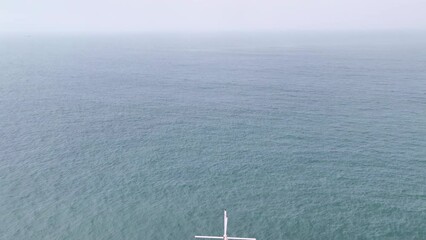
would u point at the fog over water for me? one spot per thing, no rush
(208, 15)
(144, 119)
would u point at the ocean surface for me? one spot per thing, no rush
(151, 136)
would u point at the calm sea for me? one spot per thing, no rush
(297, 135)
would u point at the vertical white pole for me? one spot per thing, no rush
(225, 225)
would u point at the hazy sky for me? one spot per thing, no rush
(209, 15)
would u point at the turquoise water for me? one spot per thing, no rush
(298, 136)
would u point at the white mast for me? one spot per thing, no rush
(225, 224)
(225, 228)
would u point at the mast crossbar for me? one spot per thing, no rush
(225, 228)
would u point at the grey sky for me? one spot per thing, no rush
(209, 15)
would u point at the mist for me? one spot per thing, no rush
(208, 15)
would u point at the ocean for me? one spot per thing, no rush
(150, 136)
